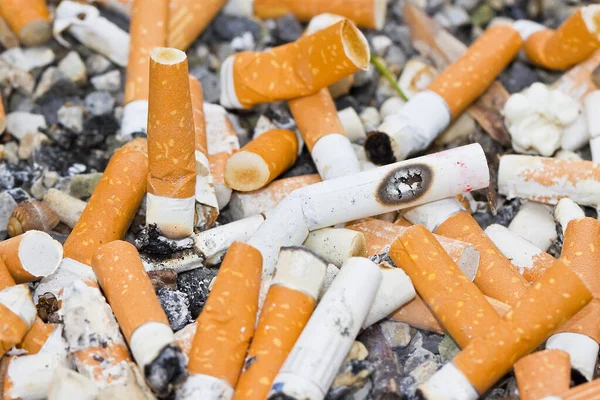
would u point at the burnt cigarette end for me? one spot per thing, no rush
(379, 148)
(166, 371)
(404, 185)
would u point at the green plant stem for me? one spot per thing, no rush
(388, 75)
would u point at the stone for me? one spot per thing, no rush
(18, 194)
(99, 103)
(448, 348)
(71, 117)
(83, 185)
(10, 152)
(452, 17)
(468, 4)
(211, 85)
(243, 43)
(31, 142)
(432, 341)
(109, 81)
(29, 58)
(482, 15)
(19, 123)
(400, 35)
(518, 77)
(16, 78)
(47, 181)
(97, 64)
(7, 206)
(395, 59)
(424, 371)
(72, 66)
(227, 27)
(50, 77)
(380, 44)
(288, 28)
(418, 357)
(176, 307)
(396, 333)
(363, 78)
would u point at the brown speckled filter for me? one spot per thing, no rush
(36, 336)
(587, 391)
(6, 280)
(544, 373)
(198, 112)
(188, 18)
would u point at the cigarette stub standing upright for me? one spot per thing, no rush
(172, 166)
(543, 373)
(29, 20)
(188, 18)
(147, 30)
(31, 256)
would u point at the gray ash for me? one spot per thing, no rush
(152, 243)
(195, 284)
(176, 307)
(166, 371)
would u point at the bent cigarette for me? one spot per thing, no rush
(67, 208)
(287, 308)
(262, 160)
(547, 180)
(304, 67)
(147, 30)
(313, 363)
(172, 171)
(31, 256)
(574, 41)
(543, 373)
(336, 246)
(220, 344)
(207, 206)
(17, 314)
(29, 377)
(548, 303)
(455, 301)
(145, 326)
(188, 19)
(566, 211)
(29, 20)
(534, 222)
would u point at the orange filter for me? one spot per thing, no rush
(496, 276)
(464, 81)
(2, 114)
(456, 302)
(401, 221)
(31, 256)
(189, 18)
(17, 314)
(37, 336)
(296, 69)
(29, 20)
(544, 373)
(113, 204)
(12, 329)
(416, 314)
(262, 160)
(226, 324)
(6, 279)
(574, 40)
(587, 391)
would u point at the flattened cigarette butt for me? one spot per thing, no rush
(336, 245)
(29, 377)
(128, 289)
(67, 208)
(456, 302)
(262, 160)
(188, 19)
(248, 204)
(535, 223)
(171, 150)
(31, 256)
(113, 204)
(29, 20)
(313, 363)
(220, 344)
(249, 78)
(17, 314)
(543, 373)
(289, 304)
(574, 40)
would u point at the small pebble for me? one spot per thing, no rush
(73, 67)
(176, 306)
(110, 81)
(97, 64)
(82, 186)
(288, 28)
(99, 103)
(7, 205)
(31, 142)
(71, 117)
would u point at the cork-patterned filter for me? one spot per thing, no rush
(456, 302)
(316, 117)
(544, 373)
(170, 126)
(283, 317)
(198, 112)
(496, 276)
(464, 81)
(571, 43)
(587, 391)
(577, 82)
(188, 18)
(147, 30)
(219, 132)
(127, 287)
(12, 329)
(113, 204)
(29, 19)
(261, 160)
(226, 324)
(547, 304)
(581, 252)
(540, 263)
(102, 362)
(37, 336)
(300, 68)
(418, 315)
(6, 280)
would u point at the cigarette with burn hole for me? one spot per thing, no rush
(548, 303)
(529, 259)
(262, 160)
(535, 223)
(313, 363)
(457, 303)
(547, 180)
(425, 116)
(336, 245)
(188, 19)
(567, 210)
(31, 256)
(543, 373)
(29, 20)
(574, 40)
(207, 206)
(294, 70)
(17, 314)
(147, 30)
(85, 24)
(171, 199)
(247, 204)
(591, 102)
(220, 344)
(580, 335)
(130, 293)
(290, 302)
(67, 208)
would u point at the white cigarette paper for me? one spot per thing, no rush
(566, 211)
(534, 222)
(352, 124)
(67, 208)
(591, 105)
(583, 351)
(334, 157)
(337, 245)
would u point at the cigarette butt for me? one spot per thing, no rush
(530, 260)
(336, 246)
(172, 170)
(30, 20)
(535, 223)
(415, 77)
(341, 87)
(8, 38)
(31, 256)
(67, 208)
(207, 206)
(247, 78)
(417, 314)
(401, 221)
(147, 30)
(67, 383)
(17, 314)
(2, 111)
(220, 345)
(185, 337)
(37, 336)
(566, 211)
(587, 391)
(262, 160)
(578, 81)
(287, 308)
(543, 373)
(457, 303)
(68, 271)
(29, 377)
(6, 280)
(130, 293)
(486, 58)
(352, 124)
(574, 41)
(188, 19)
